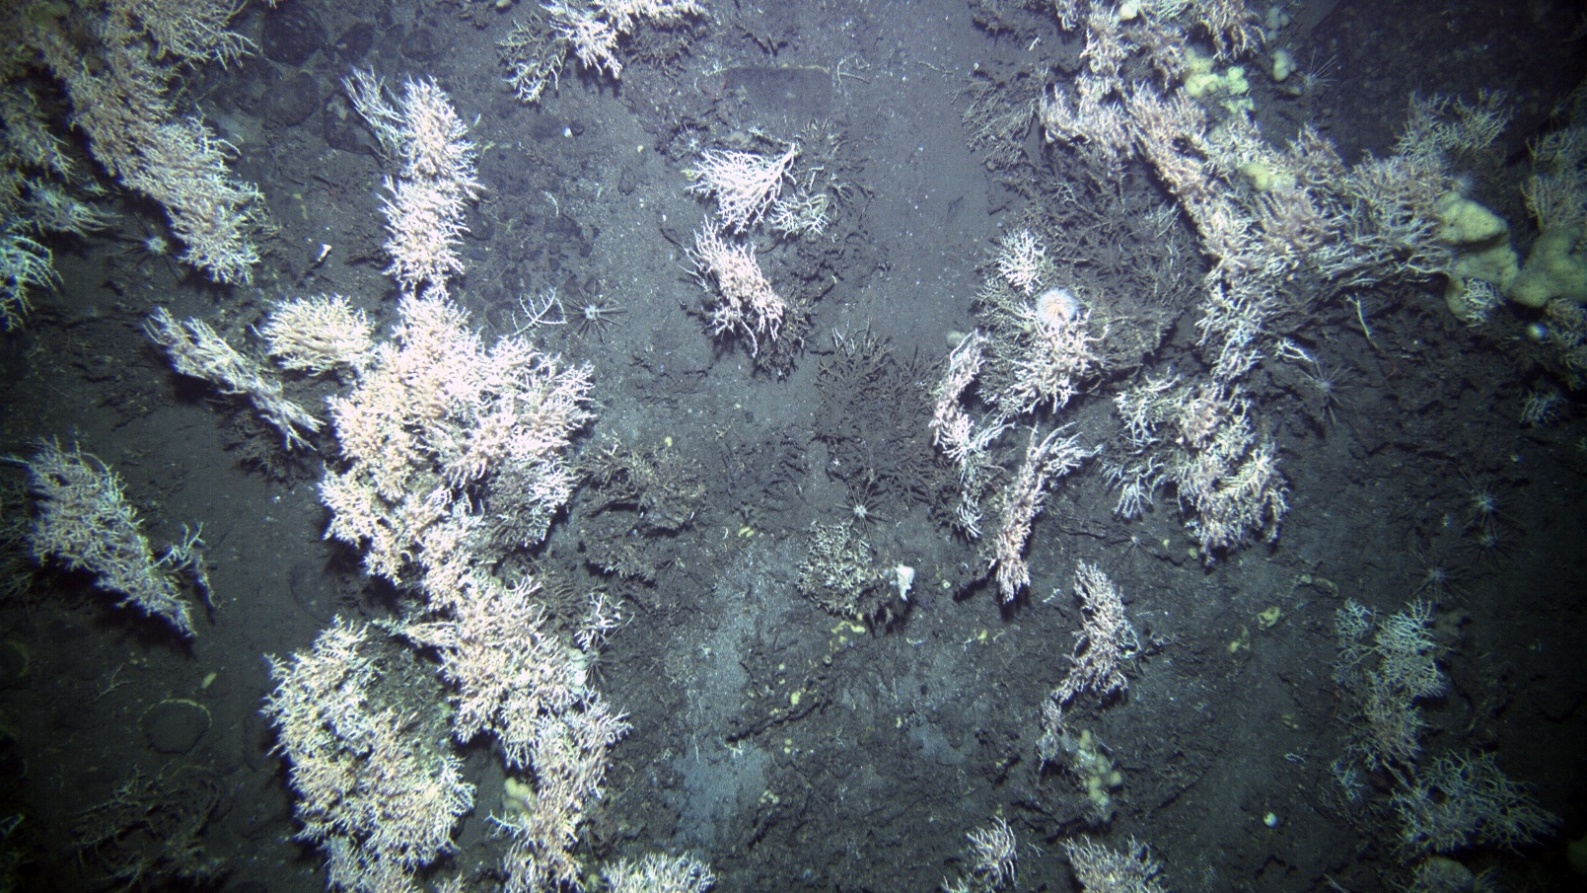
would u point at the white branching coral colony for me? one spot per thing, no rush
(747, 188)
(437, 427)
(439, 433)
(746, 303)
(590, 31)
(84, 522)
(745, 184)
(199, 351)
(435, 180)
(123, 100)
(1386, 669)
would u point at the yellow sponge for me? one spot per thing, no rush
(1555, 269)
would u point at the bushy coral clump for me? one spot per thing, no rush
(1462, 801)
(84, 522)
